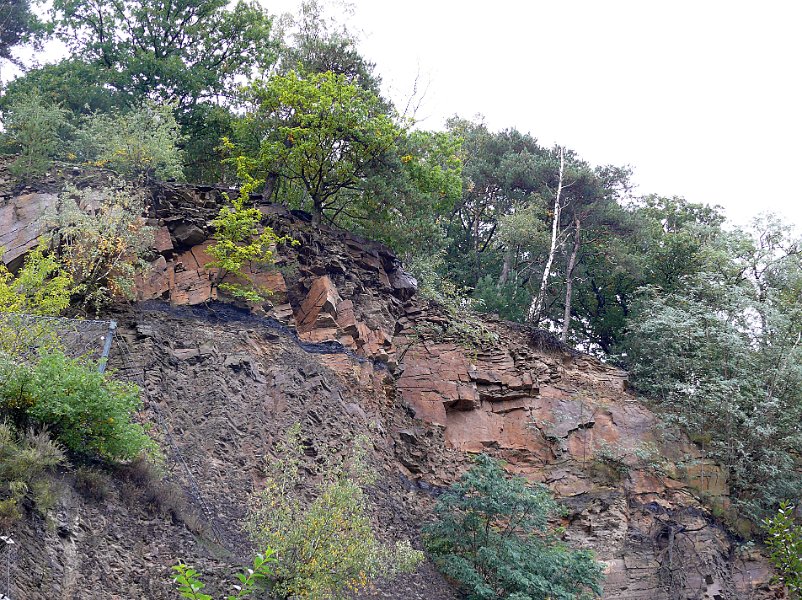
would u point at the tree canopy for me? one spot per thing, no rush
(321, 133)
(17, 23)
(175, 51)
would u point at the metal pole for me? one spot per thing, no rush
(104, 358)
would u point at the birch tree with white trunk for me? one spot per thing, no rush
(535, 312)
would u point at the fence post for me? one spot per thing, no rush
(104, 358)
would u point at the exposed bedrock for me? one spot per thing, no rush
(344, 346)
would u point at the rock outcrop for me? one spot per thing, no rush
(345, 346)
(23, 206)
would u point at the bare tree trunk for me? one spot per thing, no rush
(536, 308)
(317, 211)
(271, 182)
(477, 259)
(569, 279)
(505, 269)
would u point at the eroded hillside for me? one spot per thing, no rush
(345, 346)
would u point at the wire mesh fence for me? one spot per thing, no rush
(7, 559)
(173, 450)
(24, 336)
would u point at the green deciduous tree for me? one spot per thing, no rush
(407, 200)
(492, 535)
(17, 23)
(238, 242)
(172, 51)
(651, 241)
(189, 54)
(73, 84)
(320, 133)
(141, 143)
(592, 211)
(34, 128)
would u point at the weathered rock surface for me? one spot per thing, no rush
(20, 225)
(345, 347)
(23, 206)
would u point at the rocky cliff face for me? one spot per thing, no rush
(345, 346)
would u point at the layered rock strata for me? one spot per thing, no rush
(344, 346)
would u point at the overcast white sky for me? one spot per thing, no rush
(702, 98)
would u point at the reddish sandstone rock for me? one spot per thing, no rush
(155, 282)
(187, 278)
(162, 241)
(319, 308)
(191, 287)
(705, 476)
(228, 390)
(182, 280)
(20, 225)
(568, 421)
(324, 316)
(270, 281)
(346, 319)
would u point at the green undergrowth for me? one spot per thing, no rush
(493, 535)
